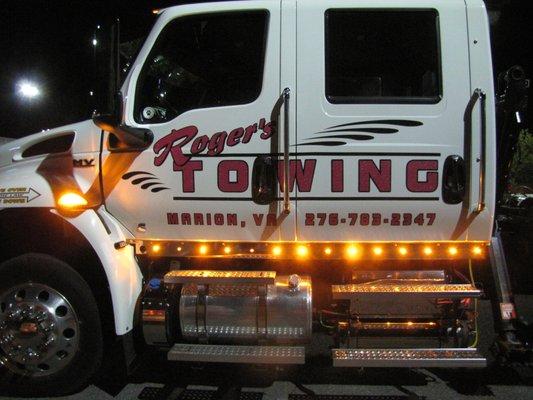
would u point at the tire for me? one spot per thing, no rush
(51, 339)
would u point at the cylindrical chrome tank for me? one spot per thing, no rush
(235, 313)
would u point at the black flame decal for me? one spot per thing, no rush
(147, 180)
(361, 130)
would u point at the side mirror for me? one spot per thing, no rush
(129, 137)
(264, 180)
(454, 180)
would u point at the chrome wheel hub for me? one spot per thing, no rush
(39, 330)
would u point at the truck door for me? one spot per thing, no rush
(206, 83)
(381, 95)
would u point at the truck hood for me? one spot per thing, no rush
(85, 139)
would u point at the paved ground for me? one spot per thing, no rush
(318, 379)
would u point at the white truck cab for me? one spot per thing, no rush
(277, 171)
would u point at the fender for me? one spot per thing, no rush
(122, 271)
(87, 243)
(37, 169)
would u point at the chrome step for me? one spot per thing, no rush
(409, 358)
(206, 277)
(353, 291)
(209, 353)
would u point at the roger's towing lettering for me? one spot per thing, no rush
(363, 175)
(213, 145)
(18, 195)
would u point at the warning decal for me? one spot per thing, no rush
(17, 195)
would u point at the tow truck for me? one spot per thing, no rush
(273, 172)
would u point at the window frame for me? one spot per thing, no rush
(265, 12)
(339, 100)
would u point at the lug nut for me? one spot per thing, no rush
(41, 316)
(15, 351)
(46, 327)
(32, 354)
(14, 315)
(49, 340)
(7, 338)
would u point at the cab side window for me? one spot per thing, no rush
(202, 61)
(382, 56)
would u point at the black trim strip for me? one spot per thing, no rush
(134, 173)
(325, 154)
(399, 122)
(368, 154)
(366, 130)
(181, 198)
(345, 136)
(329, 143)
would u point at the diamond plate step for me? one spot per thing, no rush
(237, 354)
(408, 358)
(221, 277)
(352, 291)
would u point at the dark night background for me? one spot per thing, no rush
(49, 42)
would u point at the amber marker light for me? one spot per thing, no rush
(203, 249)
(377, 251)
(302, 251)
(427, 251)
(276, 250)
(477, 250)
(179, 249)
(252, 250)
(453, 251)
(327, 251)
(156, 248)
(351, 251)
(72, 201)
(227, 249)
(402, 250)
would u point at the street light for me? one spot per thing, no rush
(28, 89)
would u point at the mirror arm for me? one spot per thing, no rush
(130, 136)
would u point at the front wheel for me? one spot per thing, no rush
(50, 332)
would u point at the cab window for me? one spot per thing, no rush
(202, 61)
(382, 56)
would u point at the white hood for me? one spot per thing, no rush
(86, 140)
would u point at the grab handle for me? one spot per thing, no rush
(286, 95)
(482, 150)
(478, 95)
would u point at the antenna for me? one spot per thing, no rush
(114, 73)
(117, 55)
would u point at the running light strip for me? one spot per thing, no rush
(314, 250)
